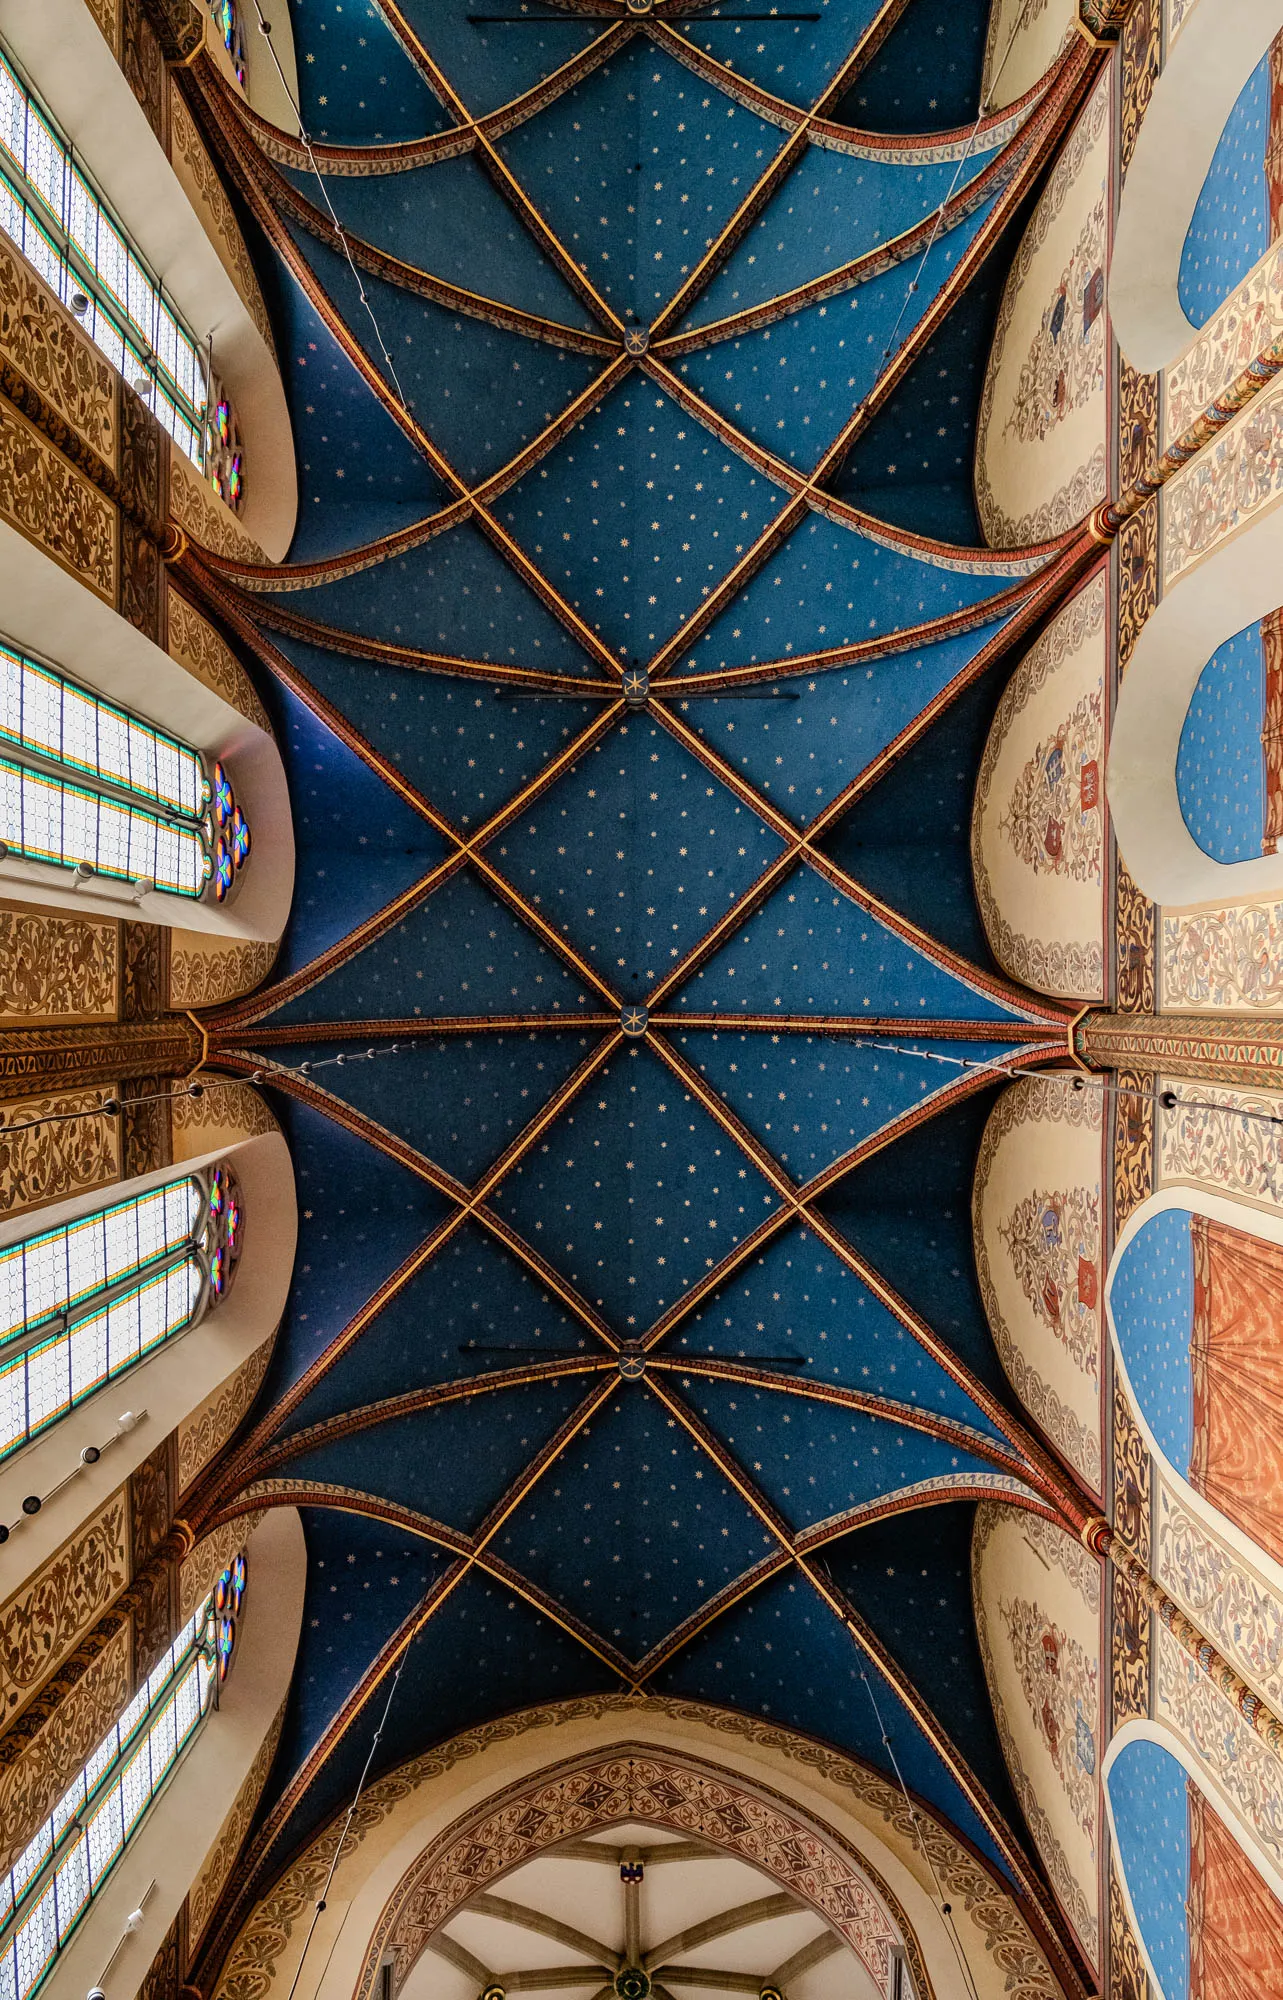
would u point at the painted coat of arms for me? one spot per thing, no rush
(1059, 1683)
(1053, 819)
(1065, 364)
(1053, 1241)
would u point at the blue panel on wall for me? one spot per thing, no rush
(471, 1311)
(635, 1147)
(359, 475)
(1152, 1300)
(1149, 1792)
(466, 744)
(455, 595)
(793, 386)
(832, 209)
(440, 1462)
(458, 1099)
(360, 1215)
(1230, 227)
(909, 838)
(830, 585)
(837, 1463)
(812, 1099)
(451, 220)
(480, 392)
(1220, 771)
(907, 1211)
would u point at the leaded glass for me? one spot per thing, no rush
(147, 811)
(81, 1303)
(44, 192)
(68, 1859)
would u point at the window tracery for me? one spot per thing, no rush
(84, 1301)
(52, 212)
(62, 1868)
(89, 786)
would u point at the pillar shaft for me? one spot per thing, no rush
(1221, 1048)
(36, 1061)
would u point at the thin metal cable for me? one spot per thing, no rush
(347, 1824)
(946, 1907)
(981, 114)
(1167, 1100)
(265, 30)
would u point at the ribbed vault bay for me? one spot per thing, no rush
(634, 1029)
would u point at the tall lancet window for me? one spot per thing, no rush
(82, 1302)
(84, 785)
(51, 1884)
(53, 213)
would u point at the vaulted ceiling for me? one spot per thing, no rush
(635, 1025)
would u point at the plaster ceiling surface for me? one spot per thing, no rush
(693, 1919)
(635, 1025)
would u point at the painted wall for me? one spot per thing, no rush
(1041, 438)
(1220, 769)
(1230, 227)
(1038, 827)
(1025, 37)
(1036, 1219)
(1037, 1600)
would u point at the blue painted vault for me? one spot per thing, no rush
(634, 1027)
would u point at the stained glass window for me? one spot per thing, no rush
(51, 211)
(62, 1868)
(90, 785)
(81, 1303)
(228, 22)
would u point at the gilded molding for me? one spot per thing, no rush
(1223, 1048)
(1130, 1625)
(42, 1623)
(1232, 479)
(195, 644)
(208, 1428)
(53, 353)
(54, 965)
(1133, 1144)
(53, 504)
(58, 1057)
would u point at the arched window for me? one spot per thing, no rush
(54, 1880)
(227, 20)
(59, 222)
(88, 786)
(81, 1303)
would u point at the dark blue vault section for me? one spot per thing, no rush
(635, 943)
